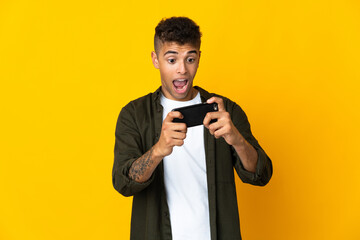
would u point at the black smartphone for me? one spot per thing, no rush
(194, 114)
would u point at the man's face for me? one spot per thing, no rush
(178, 65)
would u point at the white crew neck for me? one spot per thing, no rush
(165, 102)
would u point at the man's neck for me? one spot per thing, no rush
(192, 94)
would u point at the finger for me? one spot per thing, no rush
(170, 127)
(179, 127)
(210, 116)
(222, 131)
(173, 114)
(178, 135)
(178, 142)
(219, 101)
(206, 121)
(215, 126)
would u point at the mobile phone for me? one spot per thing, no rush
(194, 114)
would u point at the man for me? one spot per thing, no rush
(182, 179)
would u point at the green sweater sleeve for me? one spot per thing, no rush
(127, 149)
(264, 168)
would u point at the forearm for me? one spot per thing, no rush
(246, 153)
(142, 168)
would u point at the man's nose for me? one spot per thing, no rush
(181, 67)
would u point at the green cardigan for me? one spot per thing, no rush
(138, 129)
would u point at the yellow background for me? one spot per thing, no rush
(68, 67)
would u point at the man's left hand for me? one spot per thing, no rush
(224, 126)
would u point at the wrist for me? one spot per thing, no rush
(156, 153)
(239, 141)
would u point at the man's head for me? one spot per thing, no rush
(177, 53)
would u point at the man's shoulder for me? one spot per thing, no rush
(141, 100)
(139, 109)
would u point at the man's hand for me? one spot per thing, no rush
(172, 134)
(224, 127)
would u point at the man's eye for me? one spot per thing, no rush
(190, 60)
(171, 60)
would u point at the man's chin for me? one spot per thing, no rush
(184, 96)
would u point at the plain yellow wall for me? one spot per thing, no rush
(68, 67)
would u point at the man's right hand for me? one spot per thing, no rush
(172, 134)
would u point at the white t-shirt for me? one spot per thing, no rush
(186, 182)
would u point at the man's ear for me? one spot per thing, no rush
(155, 60)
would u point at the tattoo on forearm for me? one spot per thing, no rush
(139, 167)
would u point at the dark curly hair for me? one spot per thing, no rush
(181, 30)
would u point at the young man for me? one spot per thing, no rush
(182, 179)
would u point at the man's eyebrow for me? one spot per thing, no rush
(169, 52)
(193, 51)
(174, 52)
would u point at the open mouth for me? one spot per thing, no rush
(180, 85)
